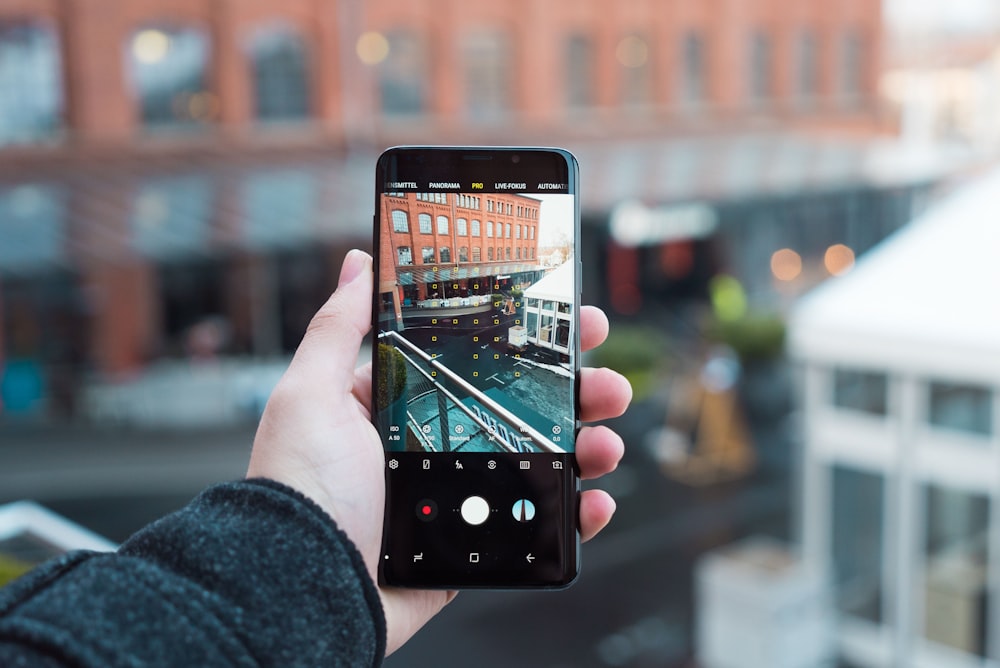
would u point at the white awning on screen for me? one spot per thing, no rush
(557, 285)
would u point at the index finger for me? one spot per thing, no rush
(593, 327)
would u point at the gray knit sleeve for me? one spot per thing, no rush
(250, 573)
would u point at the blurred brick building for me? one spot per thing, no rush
(118, 68)
(167, 163)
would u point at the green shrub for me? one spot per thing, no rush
(755, 337)
(392, 375)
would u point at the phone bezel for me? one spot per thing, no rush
(505, 163)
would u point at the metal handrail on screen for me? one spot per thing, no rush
(522, 427)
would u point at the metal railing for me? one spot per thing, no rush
(518, 425)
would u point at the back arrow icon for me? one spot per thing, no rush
(529, 558)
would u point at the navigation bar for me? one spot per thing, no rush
(474, 187)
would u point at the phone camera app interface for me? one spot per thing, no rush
(477, 301)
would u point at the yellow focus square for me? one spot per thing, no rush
(475, 373)
(434, 338)
(475, 356)
(517, 374)
(496, 356)
(475, 338)
(434, 321)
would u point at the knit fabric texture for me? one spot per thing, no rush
(250, 573)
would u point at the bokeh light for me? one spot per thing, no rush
(839, 259)
(372, 48)
(150, 46)
(729, 300)
(786, 264)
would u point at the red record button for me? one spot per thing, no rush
(427, 510)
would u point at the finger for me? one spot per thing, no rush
(333, 338)
(596, 509)
(604, 394)
(593, 327)
(363, 387)
(598, 451)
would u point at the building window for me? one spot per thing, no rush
(280, 73)
(506, 229)
(507, 253)
(759, 61)
(170, 216)
(445, 254)
(427, 254)
(518, 254)
(475, 227)
(579, 71)
(517, 231)
(532, 232)
(400, 222)
(488, 62)
(404, 255)
(954, 579)
(489, 253)
(463, 254)
(462, 227)
(476, 254)
(489, 228)
(442, 224)
(965, 408)
(858, 530)
(865, 391)
(852, 65)
(168, 69)
(33, 228)
(424, 221)
(807, 66)
(633, 55)
(693, 69)
(402, 76)
(31, 88)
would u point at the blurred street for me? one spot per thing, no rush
(114, 481)
(631, 606)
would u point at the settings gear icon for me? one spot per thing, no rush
(393, 464)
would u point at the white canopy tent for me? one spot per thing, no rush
(920, 310)
(926, 301)
(557, 285)
(549, 306)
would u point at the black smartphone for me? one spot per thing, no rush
(476, 361)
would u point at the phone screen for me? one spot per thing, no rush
(475, 365)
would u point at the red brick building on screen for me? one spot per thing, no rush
(445, 249)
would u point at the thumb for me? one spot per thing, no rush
(333, 338)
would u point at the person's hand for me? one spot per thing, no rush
(316, 435)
